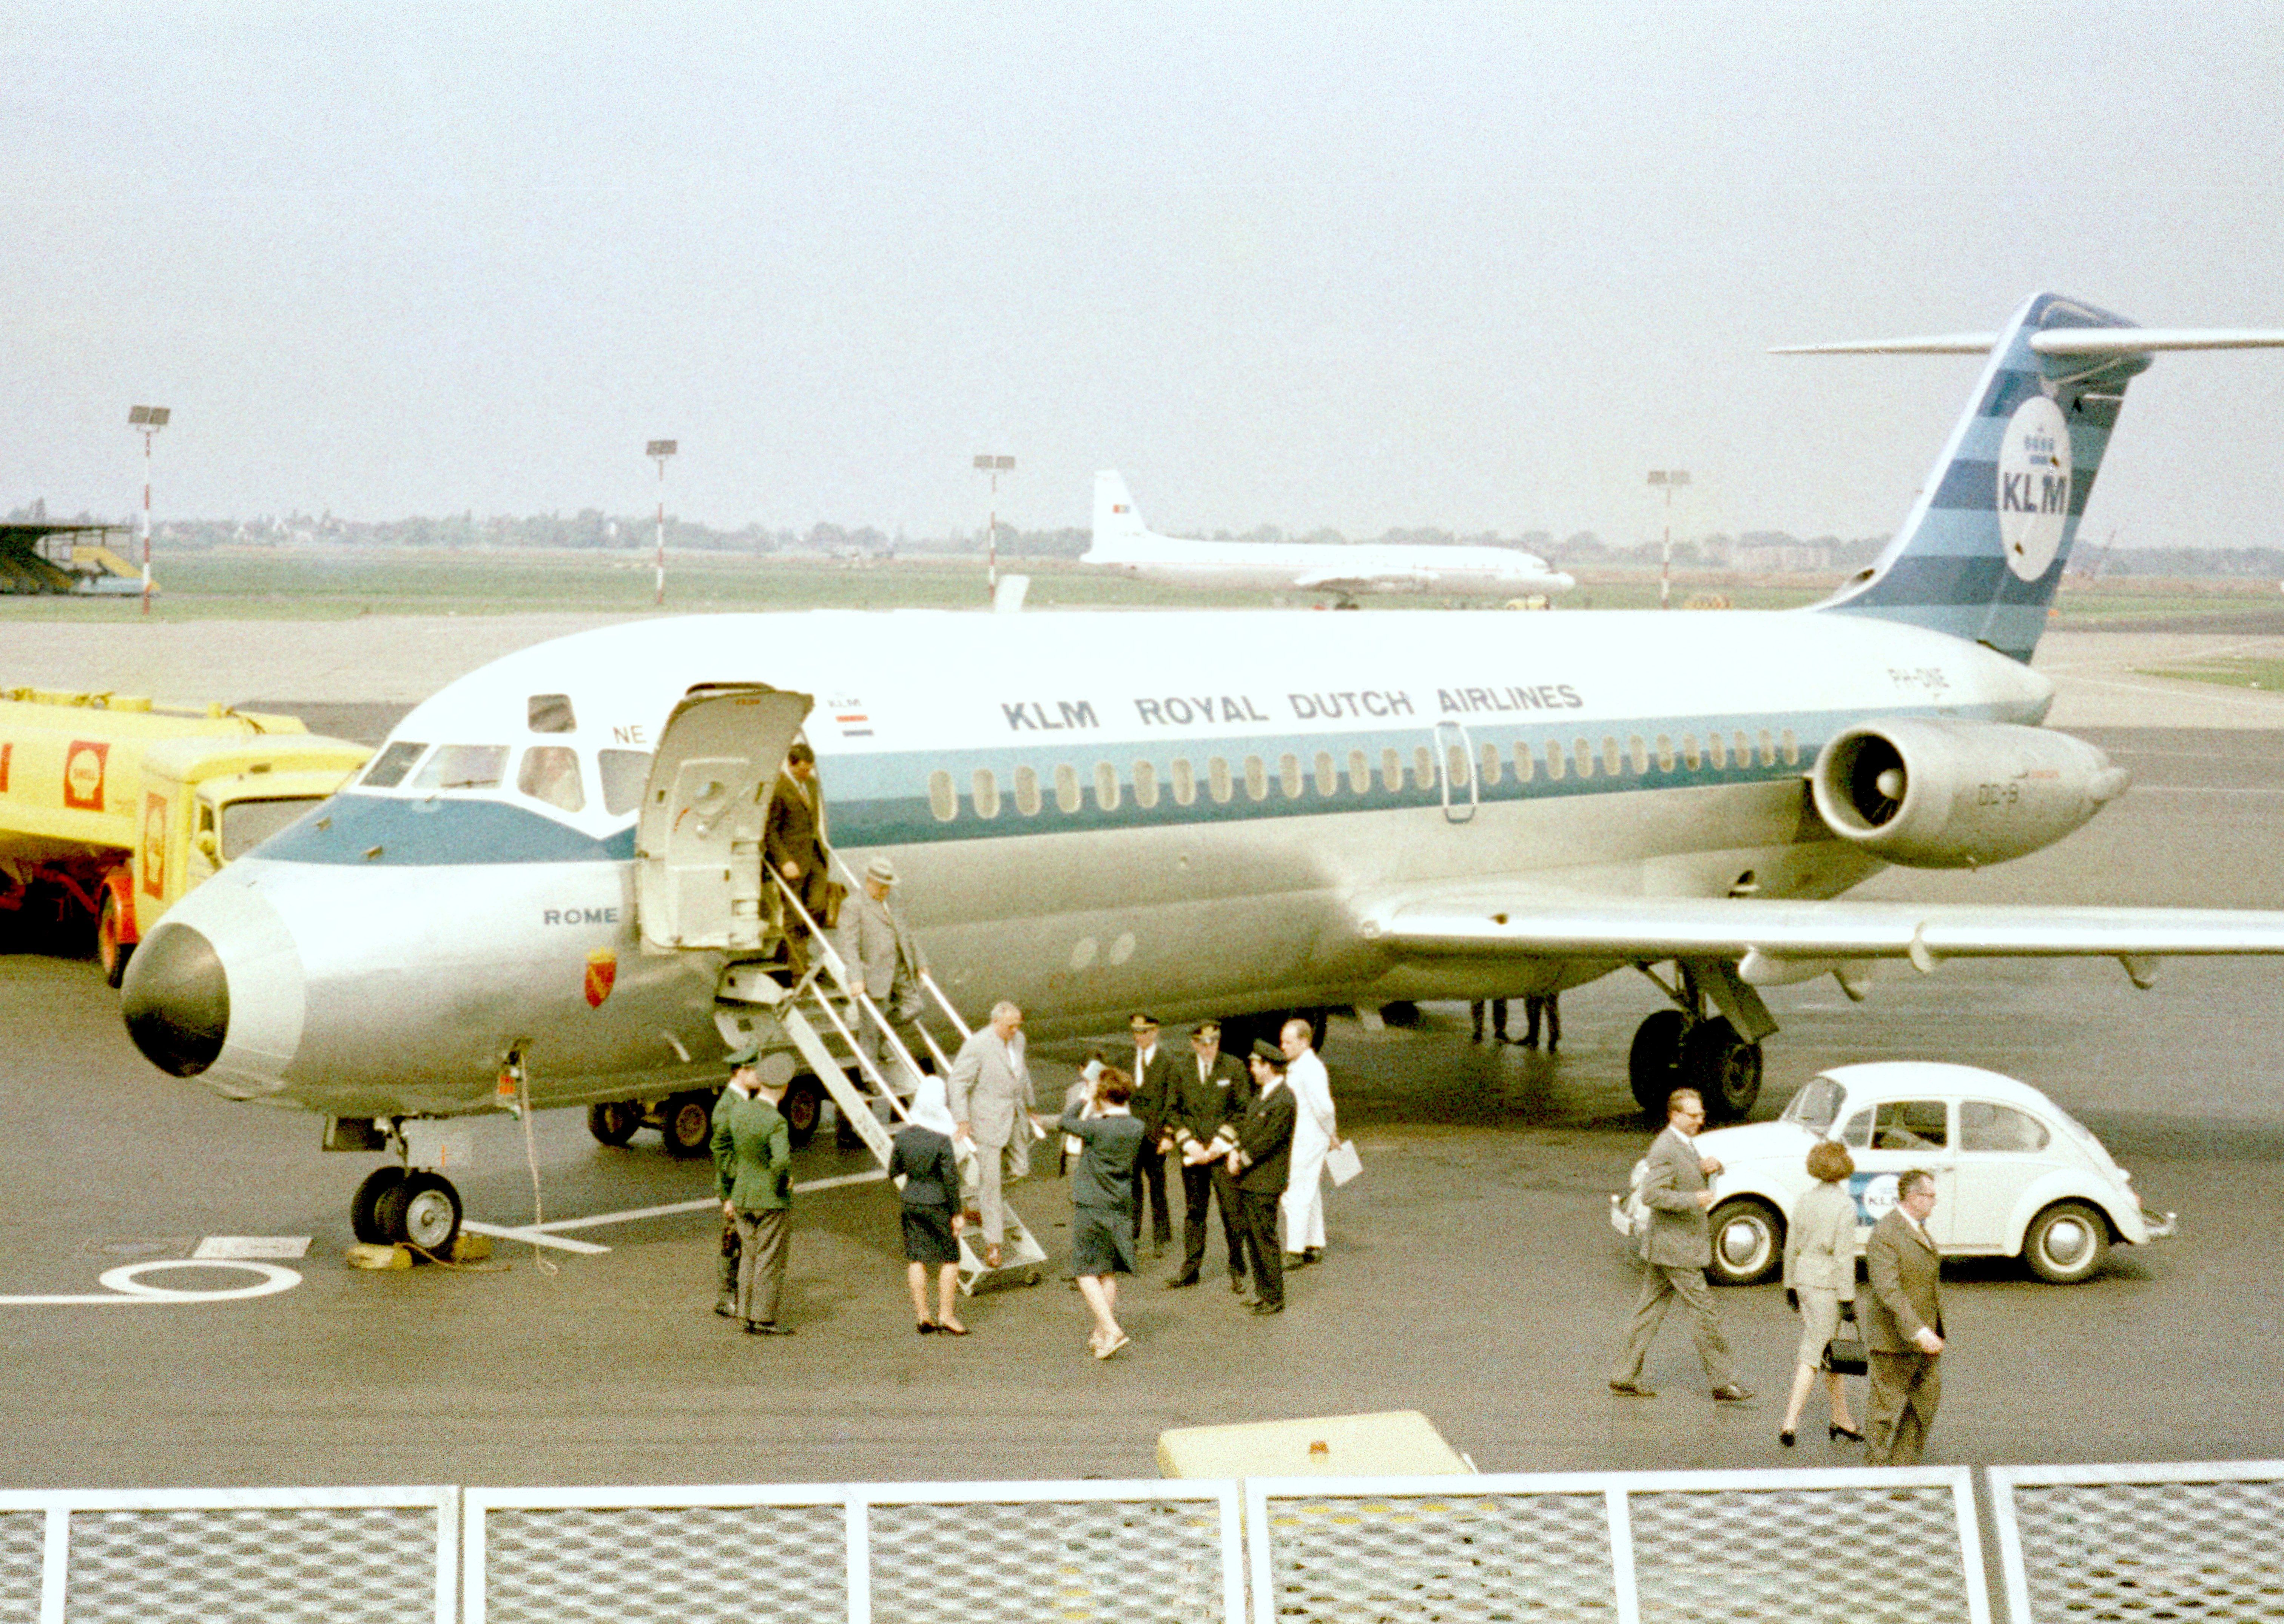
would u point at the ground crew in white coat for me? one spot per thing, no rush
(1316, 1131)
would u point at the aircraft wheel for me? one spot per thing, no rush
(1724, 1068)
(687, 1121)
(421, 1210)
(615, 1122)
(1654, 1062)
(364, 1206)
(803, 1108)
(110, 952)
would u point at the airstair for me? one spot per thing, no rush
(816, 1010)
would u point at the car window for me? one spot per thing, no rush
(1909, 1125)
(1816, 1105)
(1857, 1133)
(1984, 1126)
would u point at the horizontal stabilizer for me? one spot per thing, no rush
(2058, 341)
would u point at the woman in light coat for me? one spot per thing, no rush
(1819, 1275)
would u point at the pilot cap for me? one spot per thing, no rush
(744, 1056)
(880, 870)
(1265, 1051)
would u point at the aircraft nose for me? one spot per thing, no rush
(176, 1000)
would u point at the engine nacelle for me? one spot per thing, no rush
(1936, 794)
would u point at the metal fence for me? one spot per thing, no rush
(2093, 1544)
(326, 1556)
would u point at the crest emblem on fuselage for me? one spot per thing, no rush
(602, 972)
(2033, 485)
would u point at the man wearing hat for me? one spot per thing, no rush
(792, 840)
(884, 961)
(1258, 1151)
(753, 1172)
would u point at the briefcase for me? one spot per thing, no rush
(1844, 1354)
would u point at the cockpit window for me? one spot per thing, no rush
(550, 773)
(463, 766)
(1816, 1106)
(390, 766)
(551, 712)
(624, 772)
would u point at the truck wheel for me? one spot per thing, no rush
(614, 1122)
(110, 952)
(364, 1206)
(687, 1120)
(803, 1108)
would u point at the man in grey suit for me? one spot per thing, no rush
(885, 960)
(1903, 1326)
(991, 1103)
(1679, 1248)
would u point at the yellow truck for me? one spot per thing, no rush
(112, 807)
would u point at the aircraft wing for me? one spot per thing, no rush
(1362, 581)
(1784, 941)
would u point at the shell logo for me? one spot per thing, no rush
(83, 769)
(154, 860)
(602, 972)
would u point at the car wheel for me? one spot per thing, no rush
(2066, 1243)
(1654, 1062)
(1748, 1242)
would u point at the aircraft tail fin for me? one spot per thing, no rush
(1984, 546)
(1115, 521)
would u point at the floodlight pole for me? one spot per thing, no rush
(995, 466)
(1669, 478)
(147, 421)
(660, 450)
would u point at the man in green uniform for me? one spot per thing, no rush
(753, 1172)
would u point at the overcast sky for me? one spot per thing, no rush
(1477, 268)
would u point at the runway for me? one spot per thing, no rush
(1472, 1273)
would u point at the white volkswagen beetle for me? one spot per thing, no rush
(2015, 1174)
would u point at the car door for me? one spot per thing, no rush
(2003, 1150)
(1888, 1137)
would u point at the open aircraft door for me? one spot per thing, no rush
(698, 841)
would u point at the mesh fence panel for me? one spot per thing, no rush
(327, 1565)
(1786, 1555)
(2133, 1552)
(627, 1564)
(1130, 1561)
(1442, 1557)
(23, 1540)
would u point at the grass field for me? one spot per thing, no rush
(2233, 672)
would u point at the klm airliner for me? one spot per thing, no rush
(553, 869)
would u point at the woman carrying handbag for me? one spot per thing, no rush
(1819, 1276)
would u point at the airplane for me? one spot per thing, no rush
(548, 877)
(1123, 543)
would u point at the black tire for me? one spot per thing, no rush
(110, 952)
(421, 1210)
(1748, 1242)
(615, 1122)
(364, 1206)
(2066, 1243)
(687, 1123)
(803, 1108)
(1403, 1012)
(1724, 1068)
(1654, 1062)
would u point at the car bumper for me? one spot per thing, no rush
(2159, 1225)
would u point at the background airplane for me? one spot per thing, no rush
(552, 871)
(1123, 543)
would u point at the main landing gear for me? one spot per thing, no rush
(1690, 1047)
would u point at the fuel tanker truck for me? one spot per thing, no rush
(112, 807)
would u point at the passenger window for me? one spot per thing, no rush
(1288, 775)
(1455, 764)
(1359, 773)
(1582, 757)
(1909, 1125)
(1665, 753)
(1027, 792)
(1185, 781)
(550, 712)
(1557, 762)
(1218, 780)
(1491, 764)
(943, 800)
(1768, 749)
(1423, 767)
(623, 773)
(390, 766)
(1857, 1133)
(1106, 786)
(1689, 756)
(463, 766)
(1066, 788)
(1984, 1126)
(550, 773)
(1145, 784)
(1523, 762)
(1611, 764)
(1717, 752)
(1328, 776)
(1743, 749)
(985, 789)
(1638, 753)
(1391, 772)
(1791, 747)
(1256, 777)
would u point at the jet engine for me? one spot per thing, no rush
(1928, 793)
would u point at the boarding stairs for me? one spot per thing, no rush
(818, 1010)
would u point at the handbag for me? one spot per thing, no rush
(1843, 1355)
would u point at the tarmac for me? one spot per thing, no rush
(1472, 1272)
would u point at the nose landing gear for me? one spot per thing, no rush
(403, 1205)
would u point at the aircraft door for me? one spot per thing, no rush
(1455, 771)
(698, 839)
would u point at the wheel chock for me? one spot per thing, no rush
(468, 1248)
(364, 1256)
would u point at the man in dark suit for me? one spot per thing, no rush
(1258, 1152)
(793, 837)
(1209, 1089)
(1903, 1326)
(1679, 1246)
(1153, 1074)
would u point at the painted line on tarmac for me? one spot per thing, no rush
(125, 1285)
(551, 1233)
